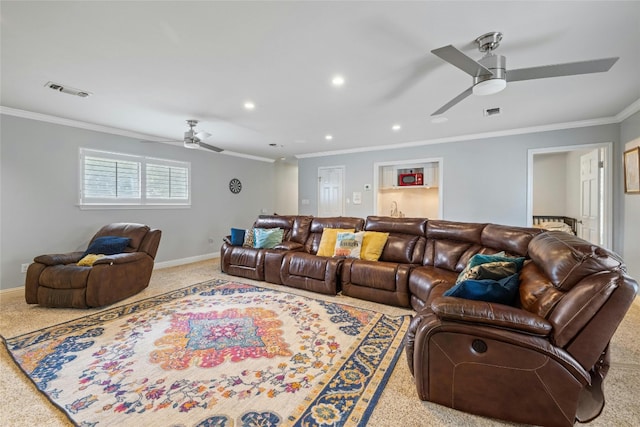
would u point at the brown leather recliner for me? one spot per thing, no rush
(308, 271)
(541, 362)
(387, 280)
(57, 281)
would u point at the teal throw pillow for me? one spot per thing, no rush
(267, 238)
(107, 245)
(503, 291)
(237, 236)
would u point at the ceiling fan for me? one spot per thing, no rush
(490, 74)
(193, 139)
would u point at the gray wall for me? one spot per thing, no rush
(485, 180)
(629, 132)
(39, 183)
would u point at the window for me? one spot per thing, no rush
(116, 179)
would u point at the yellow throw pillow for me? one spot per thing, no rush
(373, 244)
(89, 259)
(328, 240)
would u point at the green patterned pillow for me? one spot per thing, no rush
(489, 270)
(267, 238)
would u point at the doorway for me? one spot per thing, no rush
(330, 191)
(581, 185)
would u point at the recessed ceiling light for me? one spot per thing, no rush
(337, 80)
(328, 137)
(396, 127)
(437, 120)
(249, 105)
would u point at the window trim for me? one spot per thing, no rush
(143, 202)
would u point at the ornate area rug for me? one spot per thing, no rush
(216, 354)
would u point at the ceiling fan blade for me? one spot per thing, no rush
(415, 73)
(462, 61)
(558, 70)
(454, 101)
(203, 135)
(148, 141)
(210, 147)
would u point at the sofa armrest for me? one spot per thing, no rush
(485, 313)
(122, 258)
(289, 246)
(57, 259)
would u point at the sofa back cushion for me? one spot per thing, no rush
(284, 222)
(406, 241)
(450, 245)
(513, 240)
(566, 259)
(135, 232)
(317, 226)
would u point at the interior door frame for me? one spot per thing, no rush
(607, 184)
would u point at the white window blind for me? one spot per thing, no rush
(120, 179)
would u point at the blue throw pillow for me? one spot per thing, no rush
(237, 236)
(267, 237)
(107, 245)
(503, 291)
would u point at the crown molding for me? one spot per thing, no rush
(621, 116)
(508, 132)
(629, 111)
(106, 129)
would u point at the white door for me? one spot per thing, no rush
(330, 191)
(590, 207)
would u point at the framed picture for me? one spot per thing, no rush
(632, 171)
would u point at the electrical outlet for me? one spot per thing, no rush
(23, 268)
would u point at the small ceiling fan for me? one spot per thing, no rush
(193, 139)
(490, 74)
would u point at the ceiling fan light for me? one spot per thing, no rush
(191, 144)
(489, 87)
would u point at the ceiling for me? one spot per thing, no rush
(152, 65)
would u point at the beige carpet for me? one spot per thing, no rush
(23, 405)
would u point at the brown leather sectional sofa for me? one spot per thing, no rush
(540, 361)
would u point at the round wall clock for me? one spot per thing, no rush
(235, 185)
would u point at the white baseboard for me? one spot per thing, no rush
(182, 261)
(156, 266)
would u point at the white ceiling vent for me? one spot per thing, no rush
(488, 112)
(67, 89)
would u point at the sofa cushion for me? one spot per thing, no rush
(567, 259)
(328, 241)
(503, 291)
(107, 245)
(373, 244)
